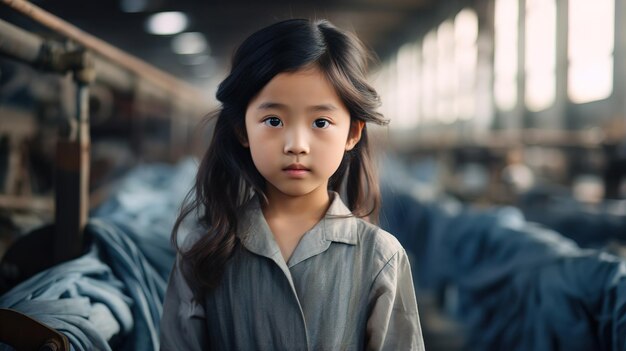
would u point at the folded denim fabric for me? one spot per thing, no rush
(115, 291)
(64, 297)
(519, 286)
(145, 204)
(142, 282)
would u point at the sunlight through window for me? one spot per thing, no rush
(590, 49)
(429, 76)
(407, 85)
(466, 54)
(446, 80)
(540, 54)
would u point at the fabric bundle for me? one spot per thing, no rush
(518, 286)
(111, 298)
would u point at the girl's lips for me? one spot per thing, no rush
(296, 172)
(296, 168)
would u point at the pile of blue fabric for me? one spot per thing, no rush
(518, 286)
(111, 298)
(589, 225)
(145, 205)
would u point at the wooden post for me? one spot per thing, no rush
(72, 170)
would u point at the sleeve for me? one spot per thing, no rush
(393, 322)
(183, 324)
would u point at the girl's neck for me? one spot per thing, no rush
(310, 206)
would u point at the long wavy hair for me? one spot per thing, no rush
(227, 177)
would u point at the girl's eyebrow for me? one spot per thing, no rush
(269, 105)
(272, 106)
(323, 108)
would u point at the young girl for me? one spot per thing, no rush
(278, 261)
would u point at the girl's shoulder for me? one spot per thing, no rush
(351, 229)
(190, 235)
(376, 241)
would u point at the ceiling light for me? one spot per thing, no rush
(166, 23)
(189, 43)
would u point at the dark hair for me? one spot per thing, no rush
(227, 177)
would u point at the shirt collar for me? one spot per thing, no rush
(338, 225)
(339, 222)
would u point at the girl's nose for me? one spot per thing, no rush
(296, 142)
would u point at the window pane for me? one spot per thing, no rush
(590, 49)
(540, 90)
(466, 53)
(591, 82)
(407, 88)
(429, 74)
(540, 54)
(446, 79)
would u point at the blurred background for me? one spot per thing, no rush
(506, 116)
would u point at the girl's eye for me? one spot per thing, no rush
(273, 122)
(321, 123)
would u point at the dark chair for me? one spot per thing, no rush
(25, 333)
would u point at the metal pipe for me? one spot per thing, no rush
(169, 83)
(19, 44)
(48, 55)
(114, 76)
(72, 156)
(23, 46)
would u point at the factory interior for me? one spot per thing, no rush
(502, 170)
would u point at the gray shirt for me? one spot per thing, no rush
(347, 286)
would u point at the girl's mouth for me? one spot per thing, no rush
(296, 170)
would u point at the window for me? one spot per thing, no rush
(408, 90)
(429, 75)
(540, 54)
(590, 49)
(466, 54)
(446, 79)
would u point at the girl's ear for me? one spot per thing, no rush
(356, 127)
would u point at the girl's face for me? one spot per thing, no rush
(298, 130)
